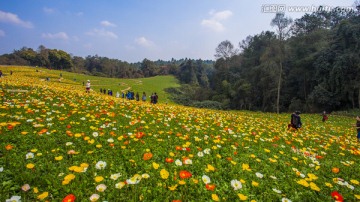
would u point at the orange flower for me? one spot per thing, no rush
(147, 156)
(185, 174)
(335, 170)
(210, 187)
(69, 198)
(9, 147)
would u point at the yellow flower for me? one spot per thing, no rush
(33, 150)
(303, 183)
(233, 162)
(242, 181)
(155, 165)
(98, 146)
(182, 182)
(266, 150)
(242, 197)
(195, 180)
(312, 176)
(328, 184)
(36, 190)
(99, 178)
(69, 177)
(218, 155)
(172, 188)
(252, 156)
(357, 196)
(255, 184)
(43, 195)
(313, 186)
(209, 168)
(246, 167)
(59, 158)
(171, 154)
(214, 197)
(164, 174)
(30, 165)
(354, 182)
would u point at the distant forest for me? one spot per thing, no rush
(310, 64)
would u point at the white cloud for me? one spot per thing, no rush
(13, 19)
(142, 41)
(60, 35)
(214, 22)
(2, 33)
(102, 33)
(48, 10)
(106, 23)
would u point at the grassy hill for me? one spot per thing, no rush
(148, 85)
(58, 142)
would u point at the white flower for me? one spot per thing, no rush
(302, 175)
(145, 176)
(350, 186)
(134, 180)
(68, 143)
(178, 162)
(14, 199)
(94, 197)
(259, 175)
(207, 151)
(115, 176)
(1, 169)
(188, 161)
(100, 165)
(276, 190)
(83, 118)
(206, 179)
(110, 140)
(200, 154)
(236, 184)
(273, 177)
(29, 155)
(95, 134)
(101, 187)
(285, 200)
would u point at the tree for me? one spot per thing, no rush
(282, 24)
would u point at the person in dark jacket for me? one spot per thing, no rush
(295, 121)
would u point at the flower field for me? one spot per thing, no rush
(57, 142)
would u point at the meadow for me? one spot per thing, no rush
(58, 143)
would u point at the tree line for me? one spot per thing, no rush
(309, 64)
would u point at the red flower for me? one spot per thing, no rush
(69, 198)
(185, 174)
(210, 187)
(176, 201)
(169, 160)
(178, 148)
(337, 196)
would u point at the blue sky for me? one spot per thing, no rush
(136, 29)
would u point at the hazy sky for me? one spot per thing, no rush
(136, 29)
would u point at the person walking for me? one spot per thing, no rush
(88, 85)
(358, 128)
(324, 116)
(295, 121)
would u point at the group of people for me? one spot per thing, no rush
(130, 95)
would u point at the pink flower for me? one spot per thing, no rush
(25, 187)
